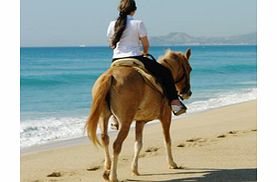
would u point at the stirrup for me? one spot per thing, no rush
(178, 110)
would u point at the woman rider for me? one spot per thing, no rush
(125, 37)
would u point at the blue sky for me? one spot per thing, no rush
(72, 22)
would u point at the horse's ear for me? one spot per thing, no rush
(168, 52)
(188, 53)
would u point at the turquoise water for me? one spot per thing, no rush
(55, 85)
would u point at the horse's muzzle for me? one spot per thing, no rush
(186, 95)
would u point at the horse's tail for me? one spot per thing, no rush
(99, 93)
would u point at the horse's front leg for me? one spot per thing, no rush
(166, 121)
(137, 147)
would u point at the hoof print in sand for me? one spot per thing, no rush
(55, 174)
(193, 140)
(142, 155)
(152, 149)
(93, 168)
(181, 145)
(232, 132)
(125, 159)
(221, 136)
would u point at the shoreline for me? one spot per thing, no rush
(84, 139)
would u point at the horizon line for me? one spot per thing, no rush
(102, 46)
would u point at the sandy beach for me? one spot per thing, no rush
(215, 145)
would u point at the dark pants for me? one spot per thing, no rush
(162, 74)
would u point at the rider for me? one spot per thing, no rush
(125, 36)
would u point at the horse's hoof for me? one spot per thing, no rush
(135, 173)
(114, 180)
(173, 166)
(106, 175)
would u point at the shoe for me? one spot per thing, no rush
(114, 126)
(178, 109)
(114, 123)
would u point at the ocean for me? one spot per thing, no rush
(56, 82)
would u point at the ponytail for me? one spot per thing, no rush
(119, 28)
(125, 8)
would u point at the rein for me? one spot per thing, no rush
(184, 89)
(152, 57)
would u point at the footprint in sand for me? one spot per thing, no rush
(235, 133)
(193, 142)
(125, 159)
(221, 136)
(232, 132)
(151, 149)
(95, 168)
(181, 145)
(55, 174)
(142, 155)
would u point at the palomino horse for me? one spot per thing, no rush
(122, 92)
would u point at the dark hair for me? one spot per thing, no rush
(125, 8)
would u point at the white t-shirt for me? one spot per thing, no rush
(129, 43)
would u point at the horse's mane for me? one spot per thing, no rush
(170, 55)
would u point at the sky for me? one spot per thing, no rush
(84, 22)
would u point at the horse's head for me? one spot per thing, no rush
(178, 63)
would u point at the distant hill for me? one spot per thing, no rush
(178, 38)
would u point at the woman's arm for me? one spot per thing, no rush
(145, 44)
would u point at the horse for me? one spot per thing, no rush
(122, 92)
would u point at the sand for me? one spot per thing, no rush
(218, 145)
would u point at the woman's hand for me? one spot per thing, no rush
(144, 54)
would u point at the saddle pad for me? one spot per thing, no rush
(139, 67)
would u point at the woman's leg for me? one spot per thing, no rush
(164, 76)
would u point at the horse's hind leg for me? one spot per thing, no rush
(166, 121)
(117, 145)
(137, 147)
(104, 120)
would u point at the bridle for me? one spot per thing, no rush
(184, 89)
(183, 76)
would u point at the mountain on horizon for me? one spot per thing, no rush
(180, 38)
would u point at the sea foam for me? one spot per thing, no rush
(47, 130)
(223, 99)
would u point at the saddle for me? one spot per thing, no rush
(139, 67)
